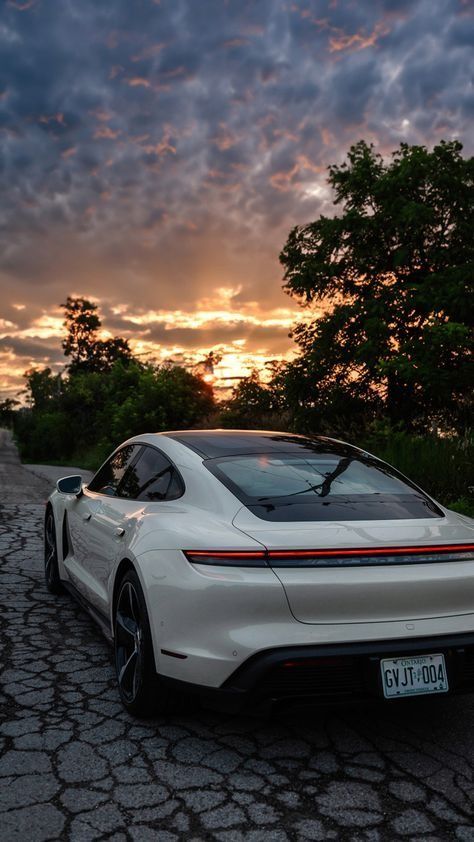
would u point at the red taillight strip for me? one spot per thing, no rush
(371, 551)
(252, 558)
(224, 554)
(228, 558)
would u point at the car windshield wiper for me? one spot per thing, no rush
(323, 488)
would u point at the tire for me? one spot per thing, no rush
(51, 567)
(141, 691)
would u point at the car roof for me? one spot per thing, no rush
(214, 443)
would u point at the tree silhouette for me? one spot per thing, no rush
(394, 273)
(82, 343)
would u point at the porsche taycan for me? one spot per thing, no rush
(252, 568)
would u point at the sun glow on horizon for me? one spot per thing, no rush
(263, 340)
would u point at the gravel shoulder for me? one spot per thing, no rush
(28, 483)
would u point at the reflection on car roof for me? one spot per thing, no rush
(214, 443)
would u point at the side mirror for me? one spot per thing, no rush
(70, 485)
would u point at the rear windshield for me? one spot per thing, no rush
(341, 484)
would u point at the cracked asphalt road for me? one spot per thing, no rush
(75, 766)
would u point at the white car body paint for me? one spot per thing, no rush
(219, 616)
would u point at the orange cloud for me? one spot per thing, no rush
(106, 133)
(288, 179)
(327, 137)
(163, 146)
(138, 81)
(225, 139)
(68, 153)
(244, 337)
(207, 315)
(357, 41)
(216, 174)
(44, 327)
(101, 115)
(339, 41)
(287, 135)
(234, 42)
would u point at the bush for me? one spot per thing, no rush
(464, 506)
(444, 467)
(43, 436)
(96, 411)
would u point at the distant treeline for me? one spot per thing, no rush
(80, 419)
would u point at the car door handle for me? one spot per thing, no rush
(120, 532)
(87, 517)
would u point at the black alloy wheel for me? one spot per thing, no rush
(51, 568)
(140, 689)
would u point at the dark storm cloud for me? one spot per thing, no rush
(40, 349)
(189, 338)
(158, 150)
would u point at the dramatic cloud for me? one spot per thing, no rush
(154, 154)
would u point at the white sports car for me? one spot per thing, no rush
(257, 567)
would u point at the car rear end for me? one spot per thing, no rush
(354, 584)
(385, 623)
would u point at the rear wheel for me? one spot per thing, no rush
(141, 691)
(51, 567)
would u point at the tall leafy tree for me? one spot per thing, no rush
(393, 272)
(42, 387)
(82, 343)
(250, 402)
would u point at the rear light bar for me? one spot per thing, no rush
(237, 558)
(363, 557)
(343, 557)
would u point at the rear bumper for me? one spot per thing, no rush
(328, 673)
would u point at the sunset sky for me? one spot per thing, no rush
(155, 154)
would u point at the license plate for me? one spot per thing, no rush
(413, 676)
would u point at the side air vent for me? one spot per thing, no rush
(66, 539)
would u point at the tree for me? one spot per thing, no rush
(394, 275)
(42, 386)
(251, 403)
(82, 345)
(7, 409)
(107, 396)
(163, 397)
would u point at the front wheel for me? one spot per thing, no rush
(51, 567)
(141, 691)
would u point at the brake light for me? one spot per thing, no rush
(341, 557)
(233, 558)
(371, 551)
(366, 557)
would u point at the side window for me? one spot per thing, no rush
(152, 478)
(109, 476)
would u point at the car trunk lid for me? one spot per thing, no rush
(345, 582)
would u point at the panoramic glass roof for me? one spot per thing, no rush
(214, 443)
